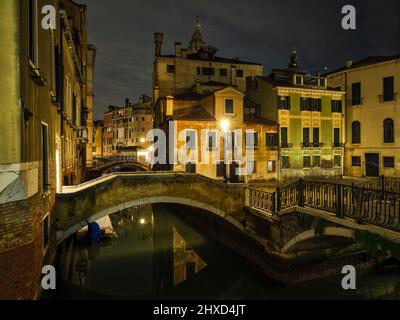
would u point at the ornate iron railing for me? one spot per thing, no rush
(364, 204)
(382, 183)
(262, 200)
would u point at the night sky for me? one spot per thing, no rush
(261, 31)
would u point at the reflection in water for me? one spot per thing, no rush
(186, 261)
(157, 255)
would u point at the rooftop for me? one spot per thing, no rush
(197, 113)
(366, 62)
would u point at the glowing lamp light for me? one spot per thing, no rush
(225, 125)
(142, 140)
(142, 221)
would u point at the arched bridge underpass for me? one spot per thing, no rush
(279, 213)
(78, 205)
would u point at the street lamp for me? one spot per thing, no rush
(224, 125)
(142, 140)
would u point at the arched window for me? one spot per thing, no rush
(356, 132)
(388, 131)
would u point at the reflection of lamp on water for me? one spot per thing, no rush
(224, 125)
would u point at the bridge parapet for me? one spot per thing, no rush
(363, 205)
(89, 201)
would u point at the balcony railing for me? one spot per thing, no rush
(388, 98)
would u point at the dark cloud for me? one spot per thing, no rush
(261, 31)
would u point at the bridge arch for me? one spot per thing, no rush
(144, 201)
(309, 234)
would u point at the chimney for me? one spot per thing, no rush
(158, 41)
(156, 94)
(127, 103)
(170, 106)
(349, 63)
(184, 54)
(178, 50)
(198, 87)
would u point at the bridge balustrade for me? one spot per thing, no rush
(365, 205)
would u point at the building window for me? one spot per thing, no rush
(255, 139)
(190, 139)
(284, 102)
(33, 31)
(299, 79)
(336, 106)
(356, 161)
(388, 131)
(170, 68)
(223, 72)
(285, 162)
(337, 160)
(46, 232)
(306, 137)
(388, 162)
(229, 106)
(322, 82)
(306, 162)
(207, 71)
(316, 161)
(316, 137)
(356, 94)
(45, 157)
(284, 137)
(271, 140)
(221, 169)
(388, 89)
(198, 71)
(271, 166)
(356, 132)
(310, 104)
(212, 140)
(239, 73)
(249, 81)
(336, 137)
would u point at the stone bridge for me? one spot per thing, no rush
(78, 205)
(287, 220)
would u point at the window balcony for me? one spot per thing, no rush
(388, 97)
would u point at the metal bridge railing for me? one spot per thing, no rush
(365, 203)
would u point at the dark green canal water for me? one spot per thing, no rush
(159, 256)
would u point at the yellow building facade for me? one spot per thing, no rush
(372, 113)
(204, 125)
(42, 140)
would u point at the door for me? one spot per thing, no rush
(372, 164)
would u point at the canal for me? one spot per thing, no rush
(157, 255)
